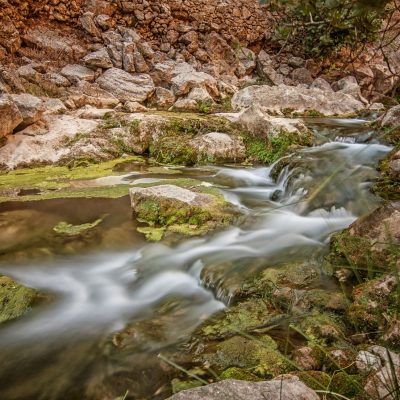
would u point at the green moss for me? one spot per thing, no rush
(239, 374)
(316, 380)
(268, 151)
(242, 317)
(322, 327)
(64, 228)
(258, 355)
(178, 385)
(152, 234)
(346, 385)
(15, 299)
(55, 181)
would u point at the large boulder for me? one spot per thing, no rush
(125, 86)
(184, 82)
(219, 147)
(391, 118)
(284, 99)
(10, 116)
(30, 107)
(98, 59)
(75, 73)
(172, 208)
(284, 389)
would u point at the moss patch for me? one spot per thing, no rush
(239, 374)
(55, 182)
(64, 228)
(15, 299)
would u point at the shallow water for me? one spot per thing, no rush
(111, 278)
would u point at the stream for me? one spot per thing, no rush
(63, 348)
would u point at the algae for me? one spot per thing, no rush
(15, 299)
(64, 228)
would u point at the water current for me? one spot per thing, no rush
(63, 348)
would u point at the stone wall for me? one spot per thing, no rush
(179, 24)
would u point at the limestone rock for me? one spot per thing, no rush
(125, 86)
(302, 76)
(219, 147)
(185, 105)
(30, 107)
(322, 84)
(183, 83)
(284, 389)
(163, 97)
(134, 107)
(88, 24)
(278, 99)
(10, 116)
(349, 85)
(92, 94)
(53, 43)
(391, 118)
(98, 59)
(75, 73)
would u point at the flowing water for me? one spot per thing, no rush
(98, 285)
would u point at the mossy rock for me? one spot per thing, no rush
(322, 327)
(15, 299)
(316, 380)
(239, 374)
(346, 385)
(243, 317)
(260, 355)
(375, 304)
(388, 186)
(326, 300)
(184, 207)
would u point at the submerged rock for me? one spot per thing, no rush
(284, 99)
(290, 388)
(15, 299)
(172, 208)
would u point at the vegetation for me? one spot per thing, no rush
(320, 27)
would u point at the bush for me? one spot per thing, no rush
(319, 27)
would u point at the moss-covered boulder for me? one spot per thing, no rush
(239, 374)
(375, 304)
(259, 355)
(15, 299)
(370, 245)
(189, 209)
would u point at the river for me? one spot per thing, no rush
(63, 348)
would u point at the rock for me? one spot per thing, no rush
(177, 209)
(162, 98)
(367, 362)
(296, 62)
(75, 73)
(29, 73)
(125, 86)
(57, 79)
(219, 147)
(133, 60)
(302, 76)
(89, 112)
(306, 359)
(288, 389)
(278, 99)
(183, 83)
(98, 59)
(185, 105)
(15, 299)
(9, 36)
(384, 383)
(53, 43)
(369, 310)
(247, 61)
(200, 95)
(88, 24)
(91, 94)
(369, 240)
(349, 85)
(321, 84)
(259, 123)
(134, 107)
(391, 118)
(54, 106)
(30, 107)
(10, 116)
